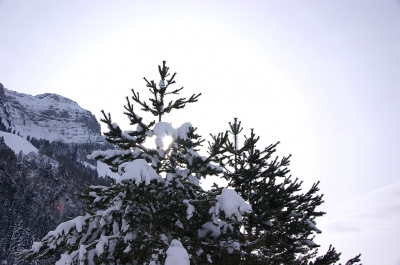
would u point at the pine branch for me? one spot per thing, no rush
(354, 260)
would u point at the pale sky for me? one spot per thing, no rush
(321, 77)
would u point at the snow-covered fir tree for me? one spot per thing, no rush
(156, 211)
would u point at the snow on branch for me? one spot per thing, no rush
(162, 129)
(312, 226)
(139, 171)
(231, 203)
(190, 209)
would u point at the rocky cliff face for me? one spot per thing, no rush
(47, 116)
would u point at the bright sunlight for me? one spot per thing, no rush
(167, 141)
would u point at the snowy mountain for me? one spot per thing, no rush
(44, 143)
(47, 116)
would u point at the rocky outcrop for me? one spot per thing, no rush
(1, 90)
(47, 116)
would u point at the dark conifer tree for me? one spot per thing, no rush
(282, 226)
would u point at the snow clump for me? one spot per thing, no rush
(139, 171)
(177, 254)
(232, 204)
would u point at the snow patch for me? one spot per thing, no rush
(17, 143)
(65, 259)
(209, 227)
(177, 254)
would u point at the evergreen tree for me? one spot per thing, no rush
(282, 226)
(157, 213)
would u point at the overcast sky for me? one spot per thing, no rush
(321, 77)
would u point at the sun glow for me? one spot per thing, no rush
(167, 140)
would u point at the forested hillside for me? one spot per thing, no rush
(39, 191)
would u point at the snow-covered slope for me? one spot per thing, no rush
(17, 143)
(47, 116)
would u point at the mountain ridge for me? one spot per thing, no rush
(47, 116)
